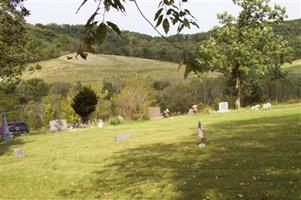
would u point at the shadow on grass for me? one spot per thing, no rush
(6, 146)
(251, 159)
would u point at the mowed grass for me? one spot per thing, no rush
(250, 155)
(98, 67)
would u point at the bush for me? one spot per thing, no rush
(135, 98)
(84, 103)
(33, 89)
(103, 110)
(114, 121)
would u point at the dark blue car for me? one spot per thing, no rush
(18, 128)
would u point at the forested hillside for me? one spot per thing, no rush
(54, 40)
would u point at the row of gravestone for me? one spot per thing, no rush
(20, 153)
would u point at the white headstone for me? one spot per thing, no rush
(202, 145)
(256, 107)
(266, 106)
(100, 124)
(190, 112)
(223, 107)
(57, 125)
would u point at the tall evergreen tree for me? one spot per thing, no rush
(84, 103)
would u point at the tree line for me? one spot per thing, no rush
(54, 40)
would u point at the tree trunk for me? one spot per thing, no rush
(237, 88)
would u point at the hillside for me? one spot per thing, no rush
(53, 40)
(294, 69)
(98, 67)
(250, 155)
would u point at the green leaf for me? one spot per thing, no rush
(159, 21)
(186, 23)
(158, 13)
(114, 27)
(166, 25)
(170, 11)
(91, 18)
(101, 33)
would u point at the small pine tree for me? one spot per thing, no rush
(84, 103)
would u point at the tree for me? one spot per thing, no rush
(13, 43)
(135, 98)
(244, 46)
(33, 89)
(84, 103)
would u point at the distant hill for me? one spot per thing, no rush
(98, 67)
(52, 41)
(294, 69)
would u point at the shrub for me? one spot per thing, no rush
(33, 89)
(84, 103)
(135, 98)
(114, 121)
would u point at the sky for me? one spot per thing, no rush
(64, 12)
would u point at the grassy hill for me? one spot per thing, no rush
(250, 155)
(294, 69)
(97, 67)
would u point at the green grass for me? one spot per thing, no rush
(294, 69)
(97, 67)
(250, 155)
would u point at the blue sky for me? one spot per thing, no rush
(64, 12)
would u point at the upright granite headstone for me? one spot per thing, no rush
(154, 113)
(6, 134)
(223, 107)
(122, 137)
(57, 125)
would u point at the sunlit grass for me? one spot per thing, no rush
(98, 67)
(250, 155)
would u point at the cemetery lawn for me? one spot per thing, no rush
(250, 155)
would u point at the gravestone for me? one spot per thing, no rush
(195, 109)
(256, 107)
(154, 113)
(223, 107)
(120, 118)
(100, 123)
(57, 125)
(190, 112)
(267, 106)
(202, 145)
(19, 153)
(122, 137)
(6, 134)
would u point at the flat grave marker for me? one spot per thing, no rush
(122, 137)
(19, 153)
